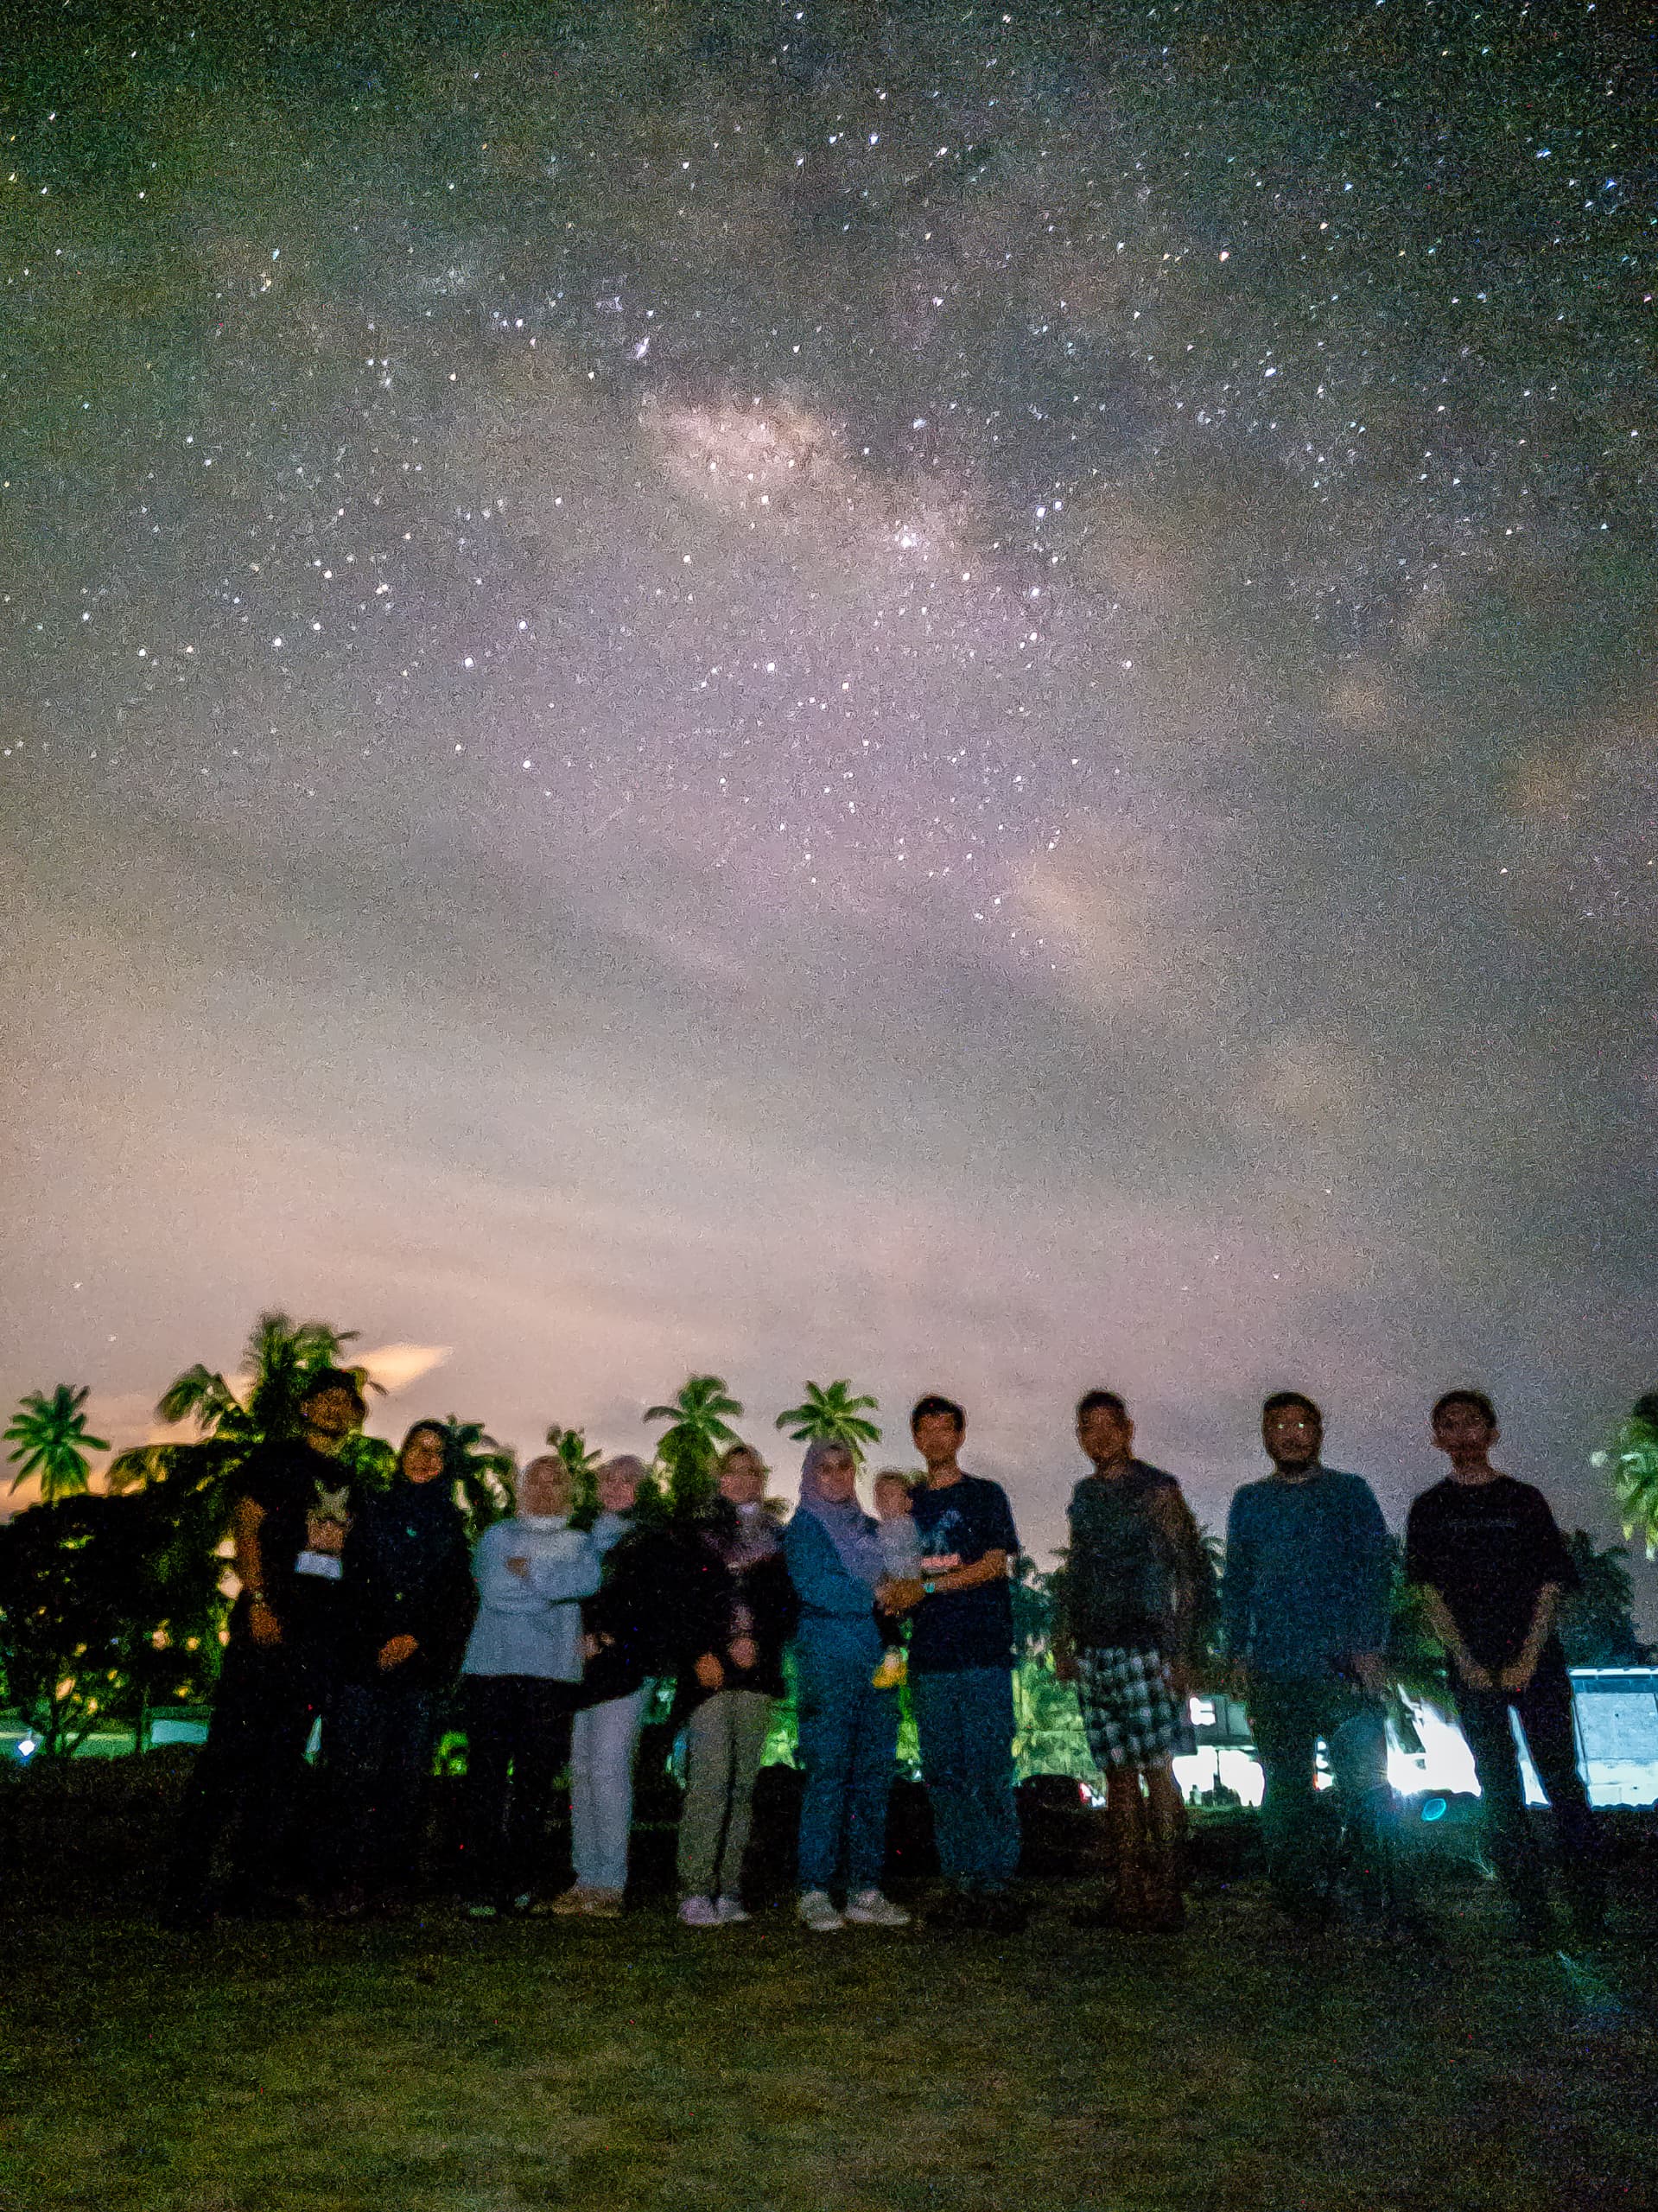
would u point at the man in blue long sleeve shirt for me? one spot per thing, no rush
(1305, 1613)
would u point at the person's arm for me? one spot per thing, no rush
(783, 1605)
(1517, 1674)
(447, 1619)
(1443, 1622)
(574, 1574)
(1370, 1590)
(1061, 1641)
(1237, 1592)
(991, 1565)
(1172, 1518)
(500, 1590)
(994, 1563)
(247, 1518)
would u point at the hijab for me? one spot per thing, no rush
(846, 1524)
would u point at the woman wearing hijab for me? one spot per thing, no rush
(522, 1668)
(630, 1639)
(848, 1728)
(406, 1581)
(742, 1611)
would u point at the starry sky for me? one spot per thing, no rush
(953, 695)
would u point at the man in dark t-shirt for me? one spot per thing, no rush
(1490, 1557)
(1129, 1601)
(961, 1670)
(291, 1508)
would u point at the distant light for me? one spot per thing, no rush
(27, 1748)
(1434, 1809)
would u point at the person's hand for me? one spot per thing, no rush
(1180, 1680)
(264, 1626)
(710, 1672)
(1517, 1678)
(744, 1653)
(592, 1645)
(394, 1652)
(324, 1534)
(899, 1594)
(1474, 1675)
(1372, 1675)
(1064, 1664)
(520, 1567)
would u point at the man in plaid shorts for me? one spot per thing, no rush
(1129, 1599)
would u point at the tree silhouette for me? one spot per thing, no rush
(833, 1415)
(480, 1470)
(50, 1440)
(107, 1609)
(280, 1360)
(1632, 1463)
(699, 1418)
(582, 1467)
(1598, 1621)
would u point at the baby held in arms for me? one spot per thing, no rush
(902, 1557)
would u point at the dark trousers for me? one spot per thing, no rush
(1544, 1714)
(377, 1754)
(247, 1775)
(1290, 1719)
(964, 1724)
(518, 1738)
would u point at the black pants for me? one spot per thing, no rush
(1544, 1714)
(247, 1775)
(377, 1755)
(518, 1738)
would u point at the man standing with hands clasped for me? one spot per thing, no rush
(960, 1672)
(1488, 1551)
(1304, 1607)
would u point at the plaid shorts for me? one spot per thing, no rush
(1132, 1715)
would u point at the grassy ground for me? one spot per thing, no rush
(433, 2066)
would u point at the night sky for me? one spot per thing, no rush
(956, 695)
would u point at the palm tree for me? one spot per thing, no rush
(51, 1440)
(833, 1415)
(571, 1446)
(481, 1471)
(280, 1358)
(700, 1430)
(1633, 1464)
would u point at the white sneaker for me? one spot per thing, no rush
(730, 1911)
(869, 1909)
(816, 1912)
(699, 1912)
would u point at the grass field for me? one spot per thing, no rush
(428, 2066)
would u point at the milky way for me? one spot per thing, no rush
(958, 695)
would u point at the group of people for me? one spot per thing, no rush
(361, 1610)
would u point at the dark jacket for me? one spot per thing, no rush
(641, 1610)
(408, 1572)
(1135, 1554)
(729, 1598)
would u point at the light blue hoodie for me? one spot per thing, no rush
(531, 1625)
